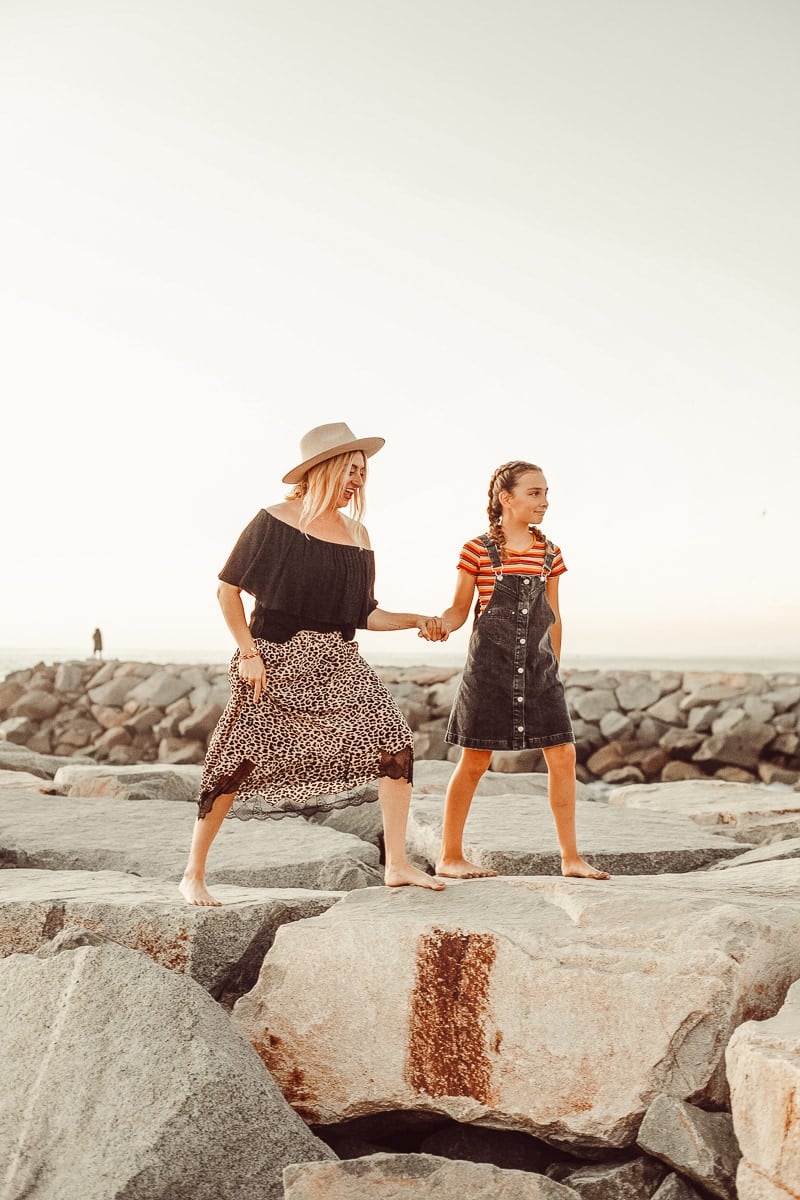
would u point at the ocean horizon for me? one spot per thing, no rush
(22, 658)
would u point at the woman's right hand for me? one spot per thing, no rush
(253, 672)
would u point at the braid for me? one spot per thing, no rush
(505, 479)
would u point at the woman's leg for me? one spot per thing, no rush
(451, 862)
(395, 799)
(561, 792)
(193, 885)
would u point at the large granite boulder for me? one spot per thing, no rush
(123, 1079)
(556, 1007)
(763, 1060)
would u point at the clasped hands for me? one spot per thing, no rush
(433, 629)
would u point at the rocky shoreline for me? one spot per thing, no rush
(525, 1036)
(630, 727)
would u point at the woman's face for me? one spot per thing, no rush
(356, 478)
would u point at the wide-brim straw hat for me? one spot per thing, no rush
(326, 441)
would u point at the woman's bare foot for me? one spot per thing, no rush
(462, 868)
(407, 875)
(577, 868)
(194, 891)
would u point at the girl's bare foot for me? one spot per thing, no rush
(462, 868)
(409, 876)
(194, 891)
(577, 868)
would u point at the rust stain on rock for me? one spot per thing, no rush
(448, 1044)
(169, 950)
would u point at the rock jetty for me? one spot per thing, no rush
(631, 727)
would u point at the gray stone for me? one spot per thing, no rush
(638, 691)
(700, 718)
(221, 948)
(699, 1144)
(616, 725)
(113, 692)
(515, 835)
(710, 693)
(668, 709)
(675, 1188)
(592, 705)
(69, 677)
(147, 781)
(402, 1176)
(741, 746)
(727, 720)
(151, 838)
(161, 689)
(617, 1181)
(121, 1078)
(16, 730)
(771, 852)
(36, 704)
(783, 698)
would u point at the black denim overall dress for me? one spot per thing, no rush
(510, 696)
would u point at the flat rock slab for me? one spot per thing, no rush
(515, 835)
(20, 758)
(221, 948)
(746, 811)
(431, 777)
(555, 1007)
(410, 1176)
(151, 838)
(150, 781)
(766, 853)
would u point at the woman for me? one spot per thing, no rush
(309, 725)
(510, 696)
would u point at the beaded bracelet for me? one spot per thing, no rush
(251, 654)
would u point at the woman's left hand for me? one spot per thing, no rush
(432, 629)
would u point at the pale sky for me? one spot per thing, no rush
(561, 231)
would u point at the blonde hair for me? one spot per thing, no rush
(321, 487)
(505, 479)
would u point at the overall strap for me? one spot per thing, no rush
(497, 567)
(494, 555)
(549, 555)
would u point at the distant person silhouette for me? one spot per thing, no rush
(97, 642)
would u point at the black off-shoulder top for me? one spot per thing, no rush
(300, 582)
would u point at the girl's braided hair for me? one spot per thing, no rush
(505, 479)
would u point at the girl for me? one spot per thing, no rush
(510, 696)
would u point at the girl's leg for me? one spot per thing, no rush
(561, 791)
(193, 885)
(395, 799)
(460, 790)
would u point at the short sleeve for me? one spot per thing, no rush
(247, 562)
(469, 559)
(559, 566)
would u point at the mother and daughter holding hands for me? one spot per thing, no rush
(309, 725)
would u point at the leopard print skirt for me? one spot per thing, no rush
(323, 730)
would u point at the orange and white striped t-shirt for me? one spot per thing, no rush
(474, 559)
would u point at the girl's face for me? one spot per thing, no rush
(356, 478)
(527, 501)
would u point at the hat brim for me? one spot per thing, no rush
(370, 446)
